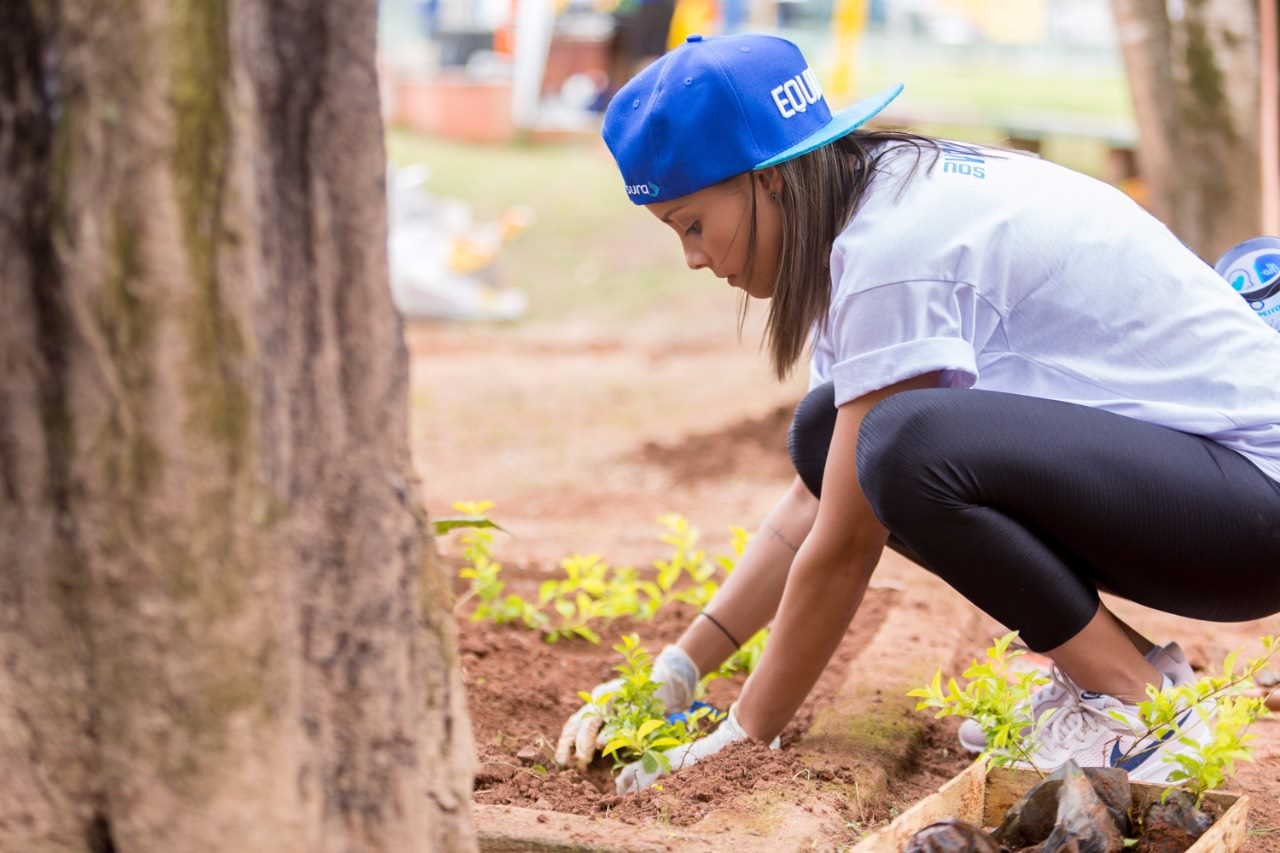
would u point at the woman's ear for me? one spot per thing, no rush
(769, 180)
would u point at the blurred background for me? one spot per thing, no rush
(1043, 75)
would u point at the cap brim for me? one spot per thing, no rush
(842, 124)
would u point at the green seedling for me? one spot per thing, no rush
(1219, 705)
(613, 592)
(589, 574)
(995, 695)
(634, 725)
(741, 539)
(590, 591)
(575, 616)
(687, 561)
(485, 573)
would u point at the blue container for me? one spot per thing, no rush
(1253, 269)
(680, 716)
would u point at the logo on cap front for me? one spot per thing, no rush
(795, 95)
(650, 190)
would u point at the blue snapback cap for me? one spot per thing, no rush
(716, 107)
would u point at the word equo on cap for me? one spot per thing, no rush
(720, 106)
(795, 95)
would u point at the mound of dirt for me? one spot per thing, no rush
(753, 446)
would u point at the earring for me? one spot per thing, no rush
(774, 196)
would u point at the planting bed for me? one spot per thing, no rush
(850, 772)
(503, 419)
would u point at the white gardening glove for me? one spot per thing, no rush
(677, 678)
(634, 777)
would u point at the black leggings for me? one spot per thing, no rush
(1028, 507)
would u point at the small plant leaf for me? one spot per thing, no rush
(441, 526)
(648, 726)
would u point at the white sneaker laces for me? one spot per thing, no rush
(1077, 724)
(1060, 687)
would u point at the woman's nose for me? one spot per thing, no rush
(695, 258)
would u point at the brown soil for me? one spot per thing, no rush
(742, 447)
(521, 690)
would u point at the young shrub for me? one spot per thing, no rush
(997, 697)
(1221, 705)
(634, 727)
(484, 572)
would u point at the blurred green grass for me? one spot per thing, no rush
(995, 89)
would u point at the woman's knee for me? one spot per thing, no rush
(900, 431)
(809, 439)
(899, 437)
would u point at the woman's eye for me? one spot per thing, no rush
(695, 228)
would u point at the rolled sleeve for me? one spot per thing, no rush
(880, 368)
(897, 331)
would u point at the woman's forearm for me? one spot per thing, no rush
(826, 583)
(822, 594)
(749, 598)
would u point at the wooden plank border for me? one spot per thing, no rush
(982, 797)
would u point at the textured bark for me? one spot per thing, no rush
(1193, 71)
(221, 621)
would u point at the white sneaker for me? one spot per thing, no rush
(1060, 690)
(1096, 730)
(1168, 659)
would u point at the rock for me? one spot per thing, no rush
(1111, 784)
(1034, 818)
(1084, 822)
(1174, 825)
(529, 755)
(1031, 818)
(951, 836)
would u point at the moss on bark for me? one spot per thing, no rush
(217, 387)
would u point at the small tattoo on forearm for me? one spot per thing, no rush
(777, 534)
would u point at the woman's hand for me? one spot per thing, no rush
(745, 603)
(634, 777)
(677, 678)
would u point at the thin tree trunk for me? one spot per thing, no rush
(1193, 71)
(221, 622)
(1269, 29)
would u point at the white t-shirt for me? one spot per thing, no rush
(1010, 273)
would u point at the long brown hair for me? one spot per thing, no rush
(821, 192)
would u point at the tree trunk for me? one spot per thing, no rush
(221, 622)
(1193, 71)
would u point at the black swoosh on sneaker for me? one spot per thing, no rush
(1136, 760)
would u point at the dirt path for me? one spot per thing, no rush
(582, 436)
